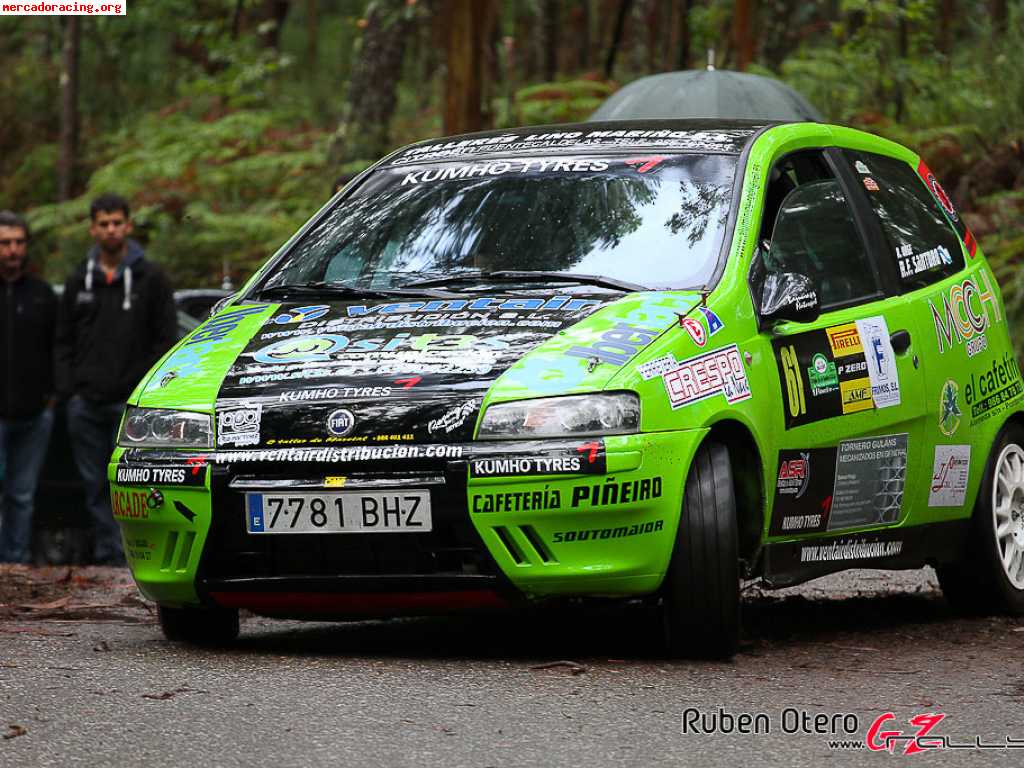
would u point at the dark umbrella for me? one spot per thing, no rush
(707, 93)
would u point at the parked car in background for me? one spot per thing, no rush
(60, 526)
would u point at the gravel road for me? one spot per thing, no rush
(86, 679)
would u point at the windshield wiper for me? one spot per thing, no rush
(321, 287)
(526, 276)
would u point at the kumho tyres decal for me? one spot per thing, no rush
(586, 458)
(837, 370)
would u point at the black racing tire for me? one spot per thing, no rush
(701, 605)
(979, 584)
(199, 626)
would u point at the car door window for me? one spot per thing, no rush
(815, 235)
(923, 244)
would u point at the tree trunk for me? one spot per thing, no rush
(613, 49)
(582, 17)
(683, 45)
(945, 42)
(655, 28)
(903, 49)
(743, 33)
(363, 133)
(469, 25)
(312, 36)
(998, 12)
(68, 158)
(271, 15)
(552, 38)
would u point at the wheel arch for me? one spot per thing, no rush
(748, 480)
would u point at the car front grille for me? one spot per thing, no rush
(451, 553)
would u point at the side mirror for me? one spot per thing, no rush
(789, 296)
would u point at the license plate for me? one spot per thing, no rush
(346, 512)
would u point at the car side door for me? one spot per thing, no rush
(850, 415)
(957, 302)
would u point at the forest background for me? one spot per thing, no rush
(226, 122)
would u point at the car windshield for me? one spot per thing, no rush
(653, 221)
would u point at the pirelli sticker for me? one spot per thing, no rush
(844, 340)
(836, 371)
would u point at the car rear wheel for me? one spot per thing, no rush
(702, 587)
(990, 577)
(200, 626)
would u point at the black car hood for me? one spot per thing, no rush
(362, 372)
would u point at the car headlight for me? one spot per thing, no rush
(577, 415)
(165, 428)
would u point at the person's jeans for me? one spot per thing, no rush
(93, 431)
(23, 444)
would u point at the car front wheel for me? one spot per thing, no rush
(990, 578)
(702, 586)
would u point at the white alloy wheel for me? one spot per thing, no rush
(1008, 513)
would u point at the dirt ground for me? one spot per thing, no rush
(70, 593)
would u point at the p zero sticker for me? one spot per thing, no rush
(836, 371)
(951, 470)
(719, 372)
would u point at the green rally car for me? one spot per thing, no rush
(634, 360)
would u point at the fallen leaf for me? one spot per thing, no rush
(170, 694)
(573, 667)
(59, 603)
(14, 731)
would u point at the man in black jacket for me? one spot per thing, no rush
(116, 319)
(28, 312)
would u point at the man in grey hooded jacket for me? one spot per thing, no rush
(117, 317)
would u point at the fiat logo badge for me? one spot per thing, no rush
(340, 422)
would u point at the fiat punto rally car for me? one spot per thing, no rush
(613, 360)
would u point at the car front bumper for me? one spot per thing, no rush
(500, 534)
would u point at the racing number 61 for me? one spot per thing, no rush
(794, 384)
